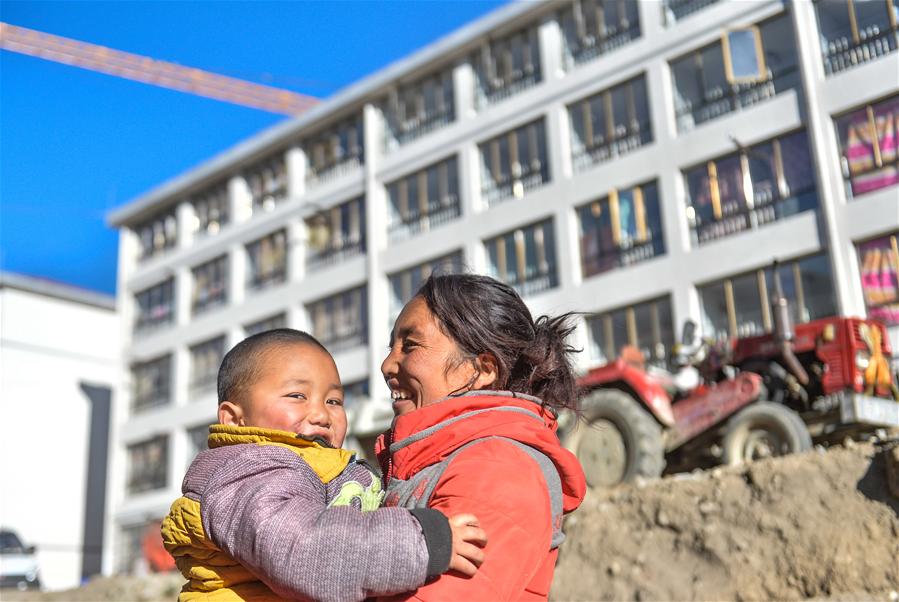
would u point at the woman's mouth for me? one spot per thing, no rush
(403, 401)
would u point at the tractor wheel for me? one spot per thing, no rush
(617, 441)
(764, 430)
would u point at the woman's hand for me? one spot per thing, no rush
(468, 540)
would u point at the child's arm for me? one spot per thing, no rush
(267, 509)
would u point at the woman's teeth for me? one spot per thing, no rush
(399, 395)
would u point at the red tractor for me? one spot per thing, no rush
(637, 419)
(738, 401)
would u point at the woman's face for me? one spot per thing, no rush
(420, 366)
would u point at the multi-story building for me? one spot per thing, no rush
(59, 351)
(641, 162)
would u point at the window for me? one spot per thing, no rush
(647, 326)
(270, 323)
(757, 185)
(157, 234)
(151, 384)
(267, 259)
(211, 210)
(155, 306)
(210, 284)
(205, 359)
(341, 321)
(197, 441)
(355, 393)
(621, 229)
(856, 31)
(336, 234)
(869, 138)
(404, 284)
(417, 108)
(334, 151)
(525, 258)
(879, 263)
(506, 66)
(129, 549)
(675, 10)
(148, 465)
(424, 200)
(610, 124)
(593, 27)
(740, 306)
(268, 183)
(514, 163)
(702, 90)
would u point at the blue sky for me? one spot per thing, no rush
(74, 143)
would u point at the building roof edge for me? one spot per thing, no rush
(58, 290)
(353, 93)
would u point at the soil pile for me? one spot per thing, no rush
(151, 588)
(817, 525)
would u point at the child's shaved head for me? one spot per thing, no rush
(241, 366)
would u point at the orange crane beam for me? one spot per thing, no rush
(151, 71)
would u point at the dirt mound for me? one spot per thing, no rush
(818, 525)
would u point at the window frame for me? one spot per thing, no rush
(219, 294)
(545, 272)
(161, 391)
(200, 382)
(258, 279)
(341, 243)
(159, 477)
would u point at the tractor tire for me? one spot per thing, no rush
(764, 430)
(617, 440)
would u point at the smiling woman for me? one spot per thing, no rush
(476, 383)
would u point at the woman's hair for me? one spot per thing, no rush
(483, 315)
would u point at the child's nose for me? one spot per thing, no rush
(318, 414)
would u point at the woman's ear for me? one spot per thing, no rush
(230, 413)
(488, 371)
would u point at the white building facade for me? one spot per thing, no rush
(594, 154)
(59, 361)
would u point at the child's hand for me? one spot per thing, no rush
(468, 539)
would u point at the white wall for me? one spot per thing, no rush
(48, 346)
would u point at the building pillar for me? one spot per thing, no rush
(237, 273)
(296, 172)
(186, 218)
(835, 239)
(463, 91)
(240, 198)
(549, 35)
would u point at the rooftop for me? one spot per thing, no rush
(57, 290)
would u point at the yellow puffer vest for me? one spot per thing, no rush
(211, 573)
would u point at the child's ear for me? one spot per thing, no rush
(488, 372)
(230, 413)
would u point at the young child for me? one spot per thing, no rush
(272, 509)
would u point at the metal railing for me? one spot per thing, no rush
(399, 133)
(156, 317)
(843, 54)
(626, 254)
(334, 170)
(675, 10)
(333, 255)
(537, 283)
(737, 217)
(586, 156)
(438, 214)
(736, 97)
(505, 189)
(486, 97)
(592, 47)
(270, 278)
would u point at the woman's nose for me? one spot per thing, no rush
(389, 365)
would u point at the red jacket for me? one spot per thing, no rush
(494, 480)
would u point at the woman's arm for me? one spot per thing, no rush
(268, 510)
(507, 490)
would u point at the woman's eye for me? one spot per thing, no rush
(409, 344)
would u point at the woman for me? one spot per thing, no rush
(476, 383)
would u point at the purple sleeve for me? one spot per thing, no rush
(268, 509)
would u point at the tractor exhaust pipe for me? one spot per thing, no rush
(783, 330)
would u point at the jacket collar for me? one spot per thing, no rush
(327, 462)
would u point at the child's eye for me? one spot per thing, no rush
(335, 402)
(296, 395)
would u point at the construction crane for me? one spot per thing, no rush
(151, 71)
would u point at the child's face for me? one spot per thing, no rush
(298, 390)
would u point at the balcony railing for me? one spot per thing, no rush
(675, 10)
(737, 217)
(269, 278)
(416, 127)
(147, 402)
(585, 156)
(592, 47)
(155, 317)
(735, 98)
(438, 215)
(487, 97)
(331, 256)
(207, 300)
(355, 337)
(509, 187)
(537, 283)
(624, 255)
(843, 54)
(333, 171)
